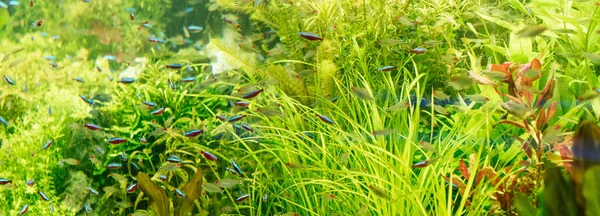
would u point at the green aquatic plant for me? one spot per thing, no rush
(576, 195)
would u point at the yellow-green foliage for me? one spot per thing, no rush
(327, 72)
(32, 125)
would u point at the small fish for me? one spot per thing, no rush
(4, 181)
(242, 103)
(325, 119)
(47, 144)
(242, 198)
(229, 21)
(158, 111)
(99, 68)
(237, 168)
(222, 117)
(109, 57)
(334, 99)
(386, 68)
(99, 150)
(69, 161)
(195, 29)
(92, 126)
(398, 106)
(441, 110)
(143, 140)
(328, 197)
(94, 160)
(427, 146)
(179, 193)
(135, 166)
(114, 166)
(131, 188)
(131, 16)
(39, 23)
(149, 104)
(252, 94)
(193, 133)
(228, 183)
(43, 196)
(212, 188)
(310, 36)
(127, 80)
(362, 94)
(170, 167)
(378, 192)
(383, 132)
(174, 159)
(88, 208)
(209, 156)
(53, 64)
(235, 118)
(9, 80)
(24, 209)
(172, 84)
(232, 170)
(78, 79)
(174, 66)
(478, 98)
(50, 57)
(247, 127)
(155, 40)
(3, 121)
(418, 50)
(188, 79)
(123, 156)
(162, 178)
(116, 140)
(269, 111)
(93, 191)
(532, 31)
(51, 208)
(49, 110)
(424, 163)
(264, 197)
(30, 183)
(440, 95)
(293, 165)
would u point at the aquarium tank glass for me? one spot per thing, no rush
(299, 107)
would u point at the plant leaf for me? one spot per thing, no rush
(193, 190)
(524, 207)
(463, 169)
(514, 123)
(586, 153)
(159, 202)
(546, 94)
(591, 189)
(558, 197)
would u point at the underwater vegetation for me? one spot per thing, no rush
(308, 107)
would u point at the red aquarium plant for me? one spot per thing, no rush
(529, 109)
(528, 106)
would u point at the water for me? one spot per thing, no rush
(140, 106)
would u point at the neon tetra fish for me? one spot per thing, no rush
(9, 80)
(310, 36)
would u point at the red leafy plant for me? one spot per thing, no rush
(530, 109)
